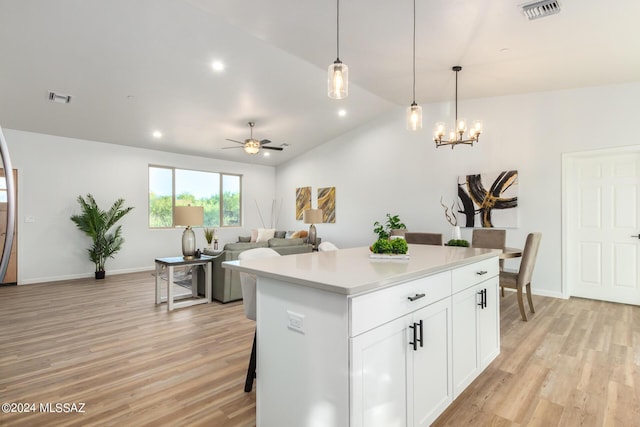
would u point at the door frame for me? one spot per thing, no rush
(568, 178)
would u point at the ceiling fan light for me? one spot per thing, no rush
(414, 117)
(338, 80)
(252, 146)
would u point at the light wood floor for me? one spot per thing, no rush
(105, 344)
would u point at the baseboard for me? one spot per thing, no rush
(82, 276)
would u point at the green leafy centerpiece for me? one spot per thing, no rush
(385, 246)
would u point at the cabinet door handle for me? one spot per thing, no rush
(481, 273)
(416, 340)
(416, 297)
(414, 343)
(483, 299)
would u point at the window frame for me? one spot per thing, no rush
(222, 203)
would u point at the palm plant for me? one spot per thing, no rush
(96, 224)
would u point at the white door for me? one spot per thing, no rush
(602, 225)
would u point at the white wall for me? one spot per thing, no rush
(53, 171)
(381, 168)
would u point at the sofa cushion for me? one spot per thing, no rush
(280, 234)
(277, 242)
(244, 239)
(244, 246)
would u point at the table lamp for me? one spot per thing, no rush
(188, 216)
(312, 216)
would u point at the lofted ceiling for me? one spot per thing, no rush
(133, 67)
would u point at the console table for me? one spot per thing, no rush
(172, 262)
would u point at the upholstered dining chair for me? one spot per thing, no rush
(327, 246)
(522, 278)
(248, 285)
(424, 238)
(489, 238)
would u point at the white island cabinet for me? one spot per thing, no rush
(345, 340)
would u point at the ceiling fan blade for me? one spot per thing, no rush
(233, 140)
(265, 141)
(226, 148)
(273, 148)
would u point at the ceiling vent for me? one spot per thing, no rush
(59, 98)
(540, 9)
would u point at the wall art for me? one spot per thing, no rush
(327, 202)
(489, 199)
(303, 201)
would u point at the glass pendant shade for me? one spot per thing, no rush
(414, 117)
(338, 80)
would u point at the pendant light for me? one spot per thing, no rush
(456, 136)
(338, 71)
(414, 112)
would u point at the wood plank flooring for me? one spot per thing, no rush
(107, 345)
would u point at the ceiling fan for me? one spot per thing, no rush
(253, 146)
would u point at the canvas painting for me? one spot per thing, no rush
(303, 201)
(489, 199)
(327, 202)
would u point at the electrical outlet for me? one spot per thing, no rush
(296, 321)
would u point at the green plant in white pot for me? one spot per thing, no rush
(96, 224)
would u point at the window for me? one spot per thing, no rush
(217, 193)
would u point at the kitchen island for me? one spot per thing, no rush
(346, 340)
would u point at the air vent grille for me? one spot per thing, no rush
(540, 9)
(59, 98)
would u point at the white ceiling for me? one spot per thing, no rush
(134, 66)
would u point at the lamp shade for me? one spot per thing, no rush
(312, 216)
(188, 215)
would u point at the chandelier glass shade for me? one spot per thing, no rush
(338, 80)
(457, 136)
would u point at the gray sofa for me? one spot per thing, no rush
(225, 286)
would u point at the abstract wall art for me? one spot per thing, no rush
(303, 201)
(327, 202)
(489, 199)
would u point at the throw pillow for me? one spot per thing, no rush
(300, 234)
(244, 239)
(264, 234)
(280, 234)
(254, 235)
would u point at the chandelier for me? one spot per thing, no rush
(457, 136)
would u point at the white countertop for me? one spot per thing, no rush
(351, 271)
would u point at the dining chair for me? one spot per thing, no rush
(424, 238)
(327, 246)
(248, 285)
(522, 278)
(489, 238)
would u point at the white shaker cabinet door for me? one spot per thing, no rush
(379, 376)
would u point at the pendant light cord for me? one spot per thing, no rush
(338, 30)
(414, 51)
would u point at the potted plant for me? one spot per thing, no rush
(96, 224)
(392, 223)
(210, 236)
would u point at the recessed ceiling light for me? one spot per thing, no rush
(342, 113)
(157, 134)
(217, 66)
